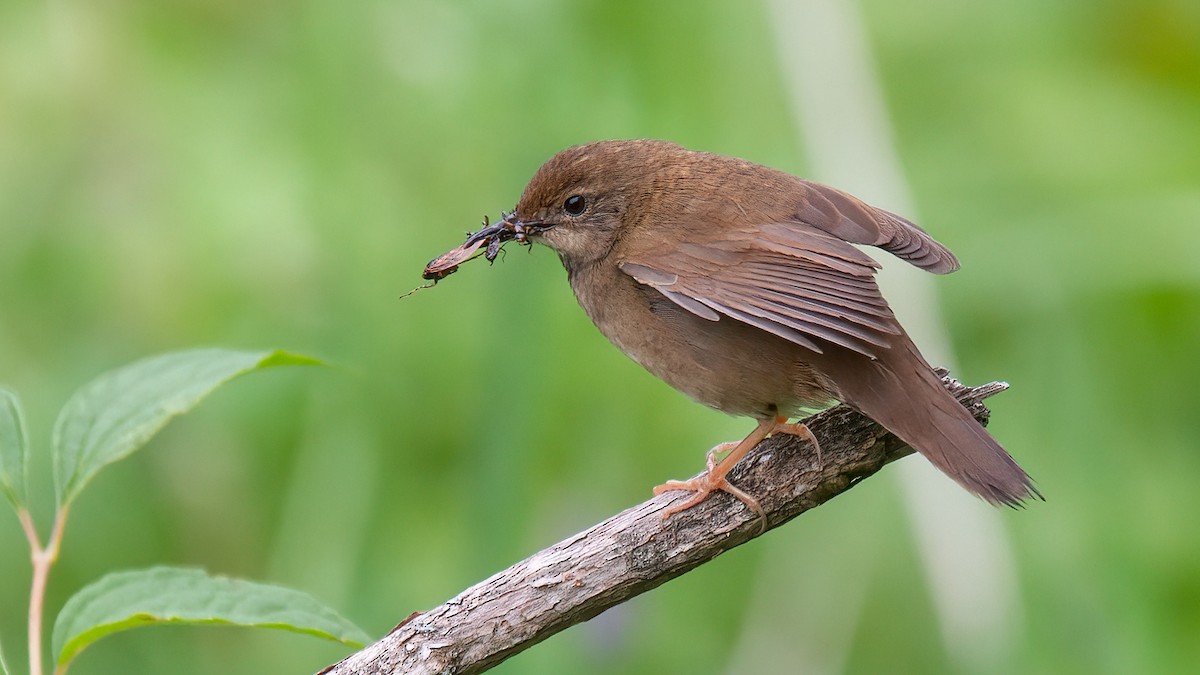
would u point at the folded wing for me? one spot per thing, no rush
(795, 282)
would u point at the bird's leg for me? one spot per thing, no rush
(800, 430)
(714, 478)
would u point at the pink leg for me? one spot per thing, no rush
(714, 479)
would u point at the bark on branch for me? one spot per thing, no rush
(636, 550)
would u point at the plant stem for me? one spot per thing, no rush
(43, 559)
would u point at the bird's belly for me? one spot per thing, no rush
(724, 364)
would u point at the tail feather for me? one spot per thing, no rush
(901, 392)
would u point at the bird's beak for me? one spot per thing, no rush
(521, 229)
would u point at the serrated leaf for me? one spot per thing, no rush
(171, 595)
(14, 448)
(115, 414)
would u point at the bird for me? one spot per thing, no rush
(741, 286)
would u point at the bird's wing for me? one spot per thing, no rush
(794, 281)
(850, 219)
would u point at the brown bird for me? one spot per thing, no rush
(737, 284)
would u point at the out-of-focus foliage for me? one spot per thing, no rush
(117, 413)
(130, 599)
(14, 448)
(259, 173)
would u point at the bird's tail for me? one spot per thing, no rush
(901, 392)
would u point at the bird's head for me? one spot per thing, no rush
(579, 201)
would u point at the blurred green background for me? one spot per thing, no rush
(251, 174)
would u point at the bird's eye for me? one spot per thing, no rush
(574, 205)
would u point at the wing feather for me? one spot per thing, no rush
(786, 332)
(798, 283)
(850, 219)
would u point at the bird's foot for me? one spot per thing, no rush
(718, 467)
(717, 451)
(703, 485)
(801, 430)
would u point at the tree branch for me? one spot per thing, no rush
(636, 550)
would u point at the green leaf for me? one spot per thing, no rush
(3, 665)
(14, 448)
(171, 595)
(120, 411)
